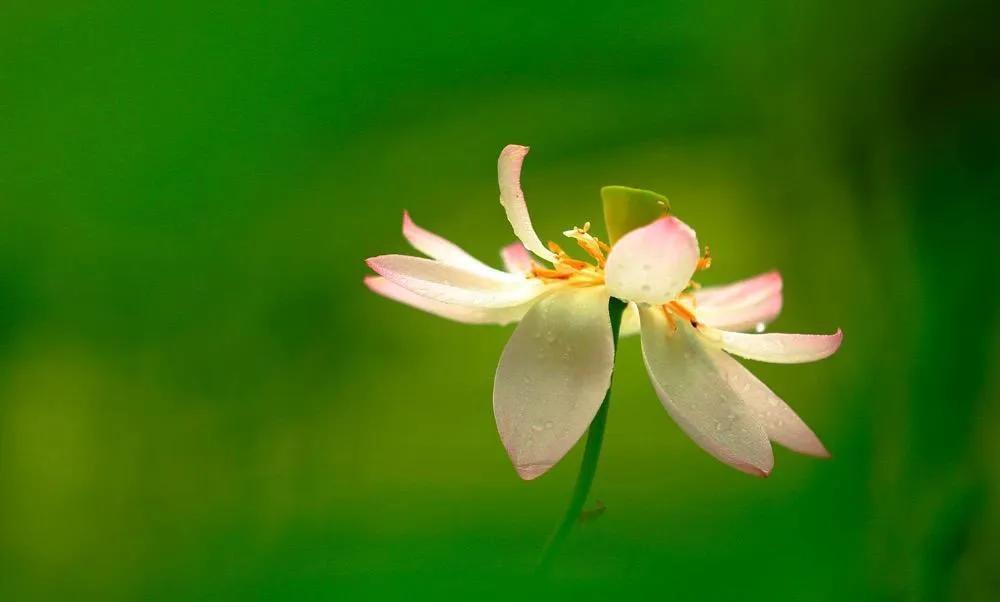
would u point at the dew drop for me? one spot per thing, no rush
(760, 327)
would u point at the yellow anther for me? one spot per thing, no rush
(590, 244)
(706, 261)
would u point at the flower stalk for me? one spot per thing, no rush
(591, 454)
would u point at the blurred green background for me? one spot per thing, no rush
(200, 401)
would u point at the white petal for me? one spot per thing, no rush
(698, 398)
(653, 264)
(552, 377)
(450, 311)
(449, 284)
(780, 348)
(741, 305)
(630, 321)
(781, 423)
(512, 199)
(445, 251)
(516, 259)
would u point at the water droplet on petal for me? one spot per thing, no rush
(760, 327)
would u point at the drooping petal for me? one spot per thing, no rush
(450, 311)
(552, 377)
(445, 251)
(779, 348)
(449, 284)
(741, 305)
(653, 264)
(516, 259)
(698, 398)
(781, 423)
(512, 199)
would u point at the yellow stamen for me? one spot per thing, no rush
(556, 248)
(590, 244)
(670, 318)
(706, 261)
(682, 311)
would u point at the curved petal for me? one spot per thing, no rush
(449, 284)
(741, 305)
(781, 423)
(780, 348)
(653, 264)
(445, 251)
(630, 321)
(512, 199)
(450, 311)
(552, 377)
(516, 259)
(698, 398)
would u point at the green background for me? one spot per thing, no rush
(200, 401)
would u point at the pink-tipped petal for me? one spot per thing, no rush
(742, 305)
(653, 264)
(512, 199)
(450, 311)
(781, 348)
(782, 424)
(449, 284)
(516, 259)
(698, 398)
(445, 251)
(552, 377)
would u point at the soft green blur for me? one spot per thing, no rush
(200, 401)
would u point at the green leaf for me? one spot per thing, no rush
(626, 209)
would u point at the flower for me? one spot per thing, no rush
(556, 367)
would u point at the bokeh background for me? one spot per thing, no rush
(200, 401)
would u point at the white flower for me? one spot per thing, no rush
(556, 368)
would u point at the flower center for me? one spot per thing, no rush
(683, 306)
(575, 271)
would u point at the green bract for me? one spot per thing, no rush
(626, 209)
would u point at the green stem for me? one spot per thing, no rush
(591, 453)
